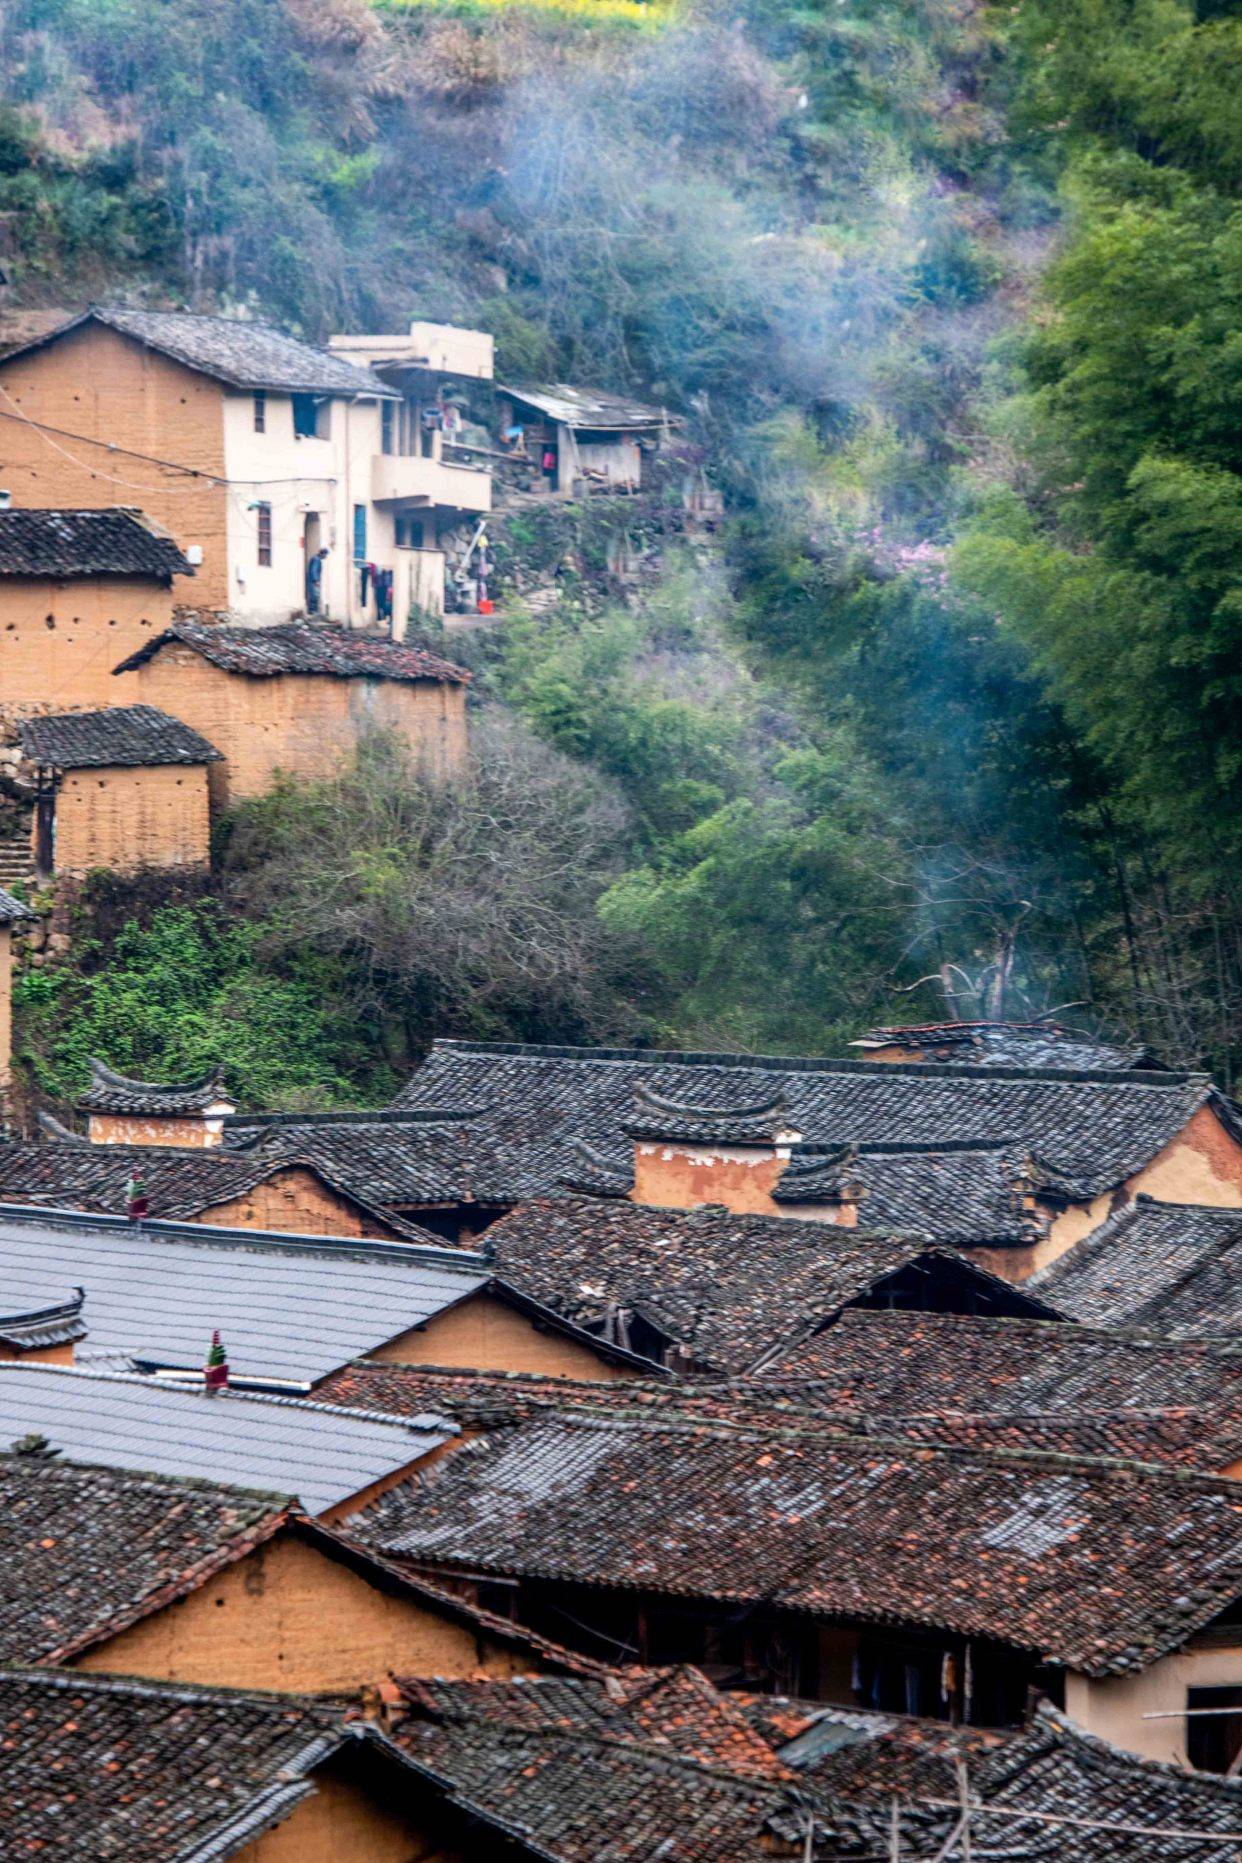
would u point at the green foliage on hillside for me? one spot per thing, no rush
(947, 298)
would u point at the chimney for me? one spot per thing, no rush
(216, 1369)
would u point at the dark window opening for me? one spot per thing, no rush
(411, 533)
(388, 426)
(265, 536)
(310, 417)
(260, 410)
(1214, 1740)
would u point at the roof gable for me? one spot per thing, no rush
(1175, 1267)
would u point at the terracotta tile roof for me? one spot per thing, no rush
(1089, 1131)
(728, 1288)
(854, 1764)
(1171, 1267)
(85, 1549)
(240, 353)
(301, 647)
(64, 544)
(121, 736)
(410, 1390)
(181, 1182)
(145, 1772)
(1000, 1044)
(634, 1768)
(1002, 1545)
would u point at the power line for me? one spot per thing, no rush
(46, 430)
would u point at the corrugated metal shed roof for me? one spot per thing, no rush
(590, 408)
(291, 1309)
(321, 1454)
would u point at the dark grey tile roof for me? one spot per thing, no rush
(40, 1327)
(645, 1766)
(590, 408)
(1169, 1267)
(180, 1182)
(123, 735)
(909, 1362)
(853, 1763)
(291, 1308)
(110, 1092)
(301, 647)
(728, 1288)
(1001, 1044)
(63, 544)
(1093, 1130)
(146, 1772)
(655, 1116)
(390, 1160)
(321, 1454)
(1004, 1545)
(242, 354)
(12, 910)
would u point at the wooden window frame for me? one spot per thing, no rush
(264, 534)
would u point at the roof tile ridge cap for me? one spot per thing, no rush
(1069, 1733)
(83, 1681)
(666, 1423)
(871, 1070)
(646, 1095)
(651, 1753)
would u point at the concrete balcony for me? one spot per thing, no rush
(429, 482)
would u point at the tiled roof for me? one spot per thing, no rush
(1090, 1130)
(126, 735)
(912, 1363)
(635, 1768)
(322, 1454)
(853, 1764)
(655, 1116)
(729, 1288)
(1205, 1436)
(145, 1772)
(301, 647)
(590, 408)
(83, 1547)
(39, 1328)
(1171, 1267)
(110, 1092)
(391, 1160)
(1000, 1044)
(968, 1196)
(181, 1182)
(1002, 1545)
(61, 544)
(242, 354)
(291, 1308)
(12, 910)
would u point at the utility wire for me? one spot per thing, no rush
(46, 430)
